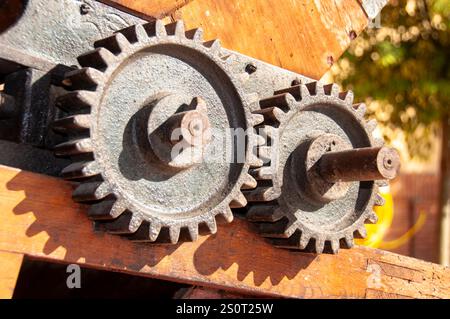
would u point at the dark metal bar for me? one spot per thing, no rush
(361, 164)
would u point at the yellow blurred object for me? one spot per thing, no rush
(376, 232)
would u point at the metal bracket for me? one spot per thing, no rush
(373, 7)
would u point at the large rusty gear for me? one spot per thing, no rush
(293, 204)
(131, 91)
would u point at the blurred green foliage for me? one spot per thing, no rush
(405, 65)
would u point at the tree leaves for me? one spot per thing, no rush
(405, 64)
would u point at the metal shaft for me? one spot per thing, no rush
(361, 164)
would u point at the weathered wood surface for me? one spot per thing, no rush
(10, 264)
(303, 36)
(38, 218)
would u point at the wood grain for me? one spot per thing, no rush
(148, 9)
(10, 264)
(303, 36)
(49, 225)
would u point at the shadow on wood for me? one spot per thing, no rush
(39, 219)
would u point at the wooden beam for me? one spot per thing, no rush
(303, 36)
(39, 218)
(10, 264)
(148, 9)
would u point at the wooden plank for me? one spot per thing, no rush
(146, 8)
(49, 225)
(10, 264)
(206, 293)
(303, 36)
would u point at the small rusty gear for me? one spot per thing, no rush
(301, 203)
(126, 102)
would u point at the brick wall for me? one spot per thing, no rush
(413, 193)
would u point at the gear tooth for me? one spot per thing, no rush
(331, 89)
(141, 33)
(372, 218)
(227, 215)
(259, 140)
(74, 147)
(116, 44)
(176, 28)
(319, 245)
(281, 101)
(106, 209)
(371, 125)
(155, 29)
(304, 91)
(361, 232)
(320, 88)
(264, 213)
(90, 191)
(80, 170)
(272, 114)
(349, 241)
(312, 88)
(98, 59)
(278, 229)
(134, 33)
(154, 231)
(262, 173)
(304, 241)
(193, 231)
(257, 119)
(265, 153)
(211, 225)
(334, 246)
(378, 142)
(239, 201)
(252, 100)
(261, 194)
(360, 110)
(379, 200)
(84, 78)
(79, 122)
(293, 90)
(76, 101)
(195, 34)
(135, 222)
(268, 131)
(122, 225)
(141, 234)
(347, 96)
(213, 45)
(249, 182)
(174, 234)
(254, 161)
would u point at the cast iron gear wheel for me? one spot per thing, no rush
(301, 123)
(131, 92)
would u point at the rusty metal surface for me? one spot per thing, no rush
(149, 80)
(172, 79)
(360, 164)
(292, 205)
(49, 33)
